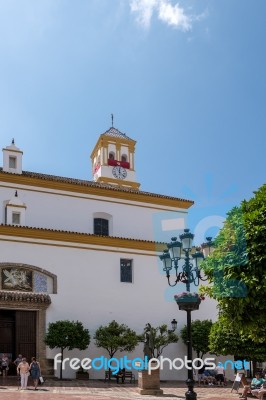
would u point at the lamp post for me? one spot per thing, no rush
(174, 325)
(189, 274)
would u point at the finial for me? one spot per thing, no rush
(13, 141)
(16, 193)
(112, 118)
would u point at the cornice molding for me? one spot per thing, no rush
(114, 193)
(81, 238)
(13, 151)
(30, 298)
(15, 205)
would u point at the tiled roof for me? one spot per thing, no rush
(84, 234)
(81, 182)
(116, 133)
(24, 297)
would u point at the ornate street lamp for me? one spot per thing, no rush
(189, 273)
(174, 325)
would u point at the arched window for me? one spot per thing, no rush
(111, 155)
(124, 158)
(101, 226)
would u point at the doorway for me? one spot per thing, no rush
(18, 333)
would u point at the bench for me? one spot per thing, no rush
(108, 376)
(127, 375)
(130, 376)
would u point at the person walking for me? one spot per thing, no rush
(4, 364)
(17, 362)
(220, 374)
(35, 371)
(23, 370)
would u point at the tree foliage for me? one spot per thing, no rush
(67, 335)
(225, 339)
(114, 337)
(161, 337)
(200, 331)
(237, 270)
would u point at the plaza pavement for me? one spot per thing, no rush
(99, 390)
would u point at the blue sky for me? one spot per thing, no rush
(187, 80)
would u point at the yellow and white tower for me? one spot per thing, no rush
(113, 159)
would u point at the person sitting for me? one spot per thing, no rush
(256, 383)
(261, 391)
(208, 379)
(212, 377)
(201, 374)
(120, 375)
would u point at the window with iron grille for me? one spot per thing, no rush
(126, 272)
(101, 226)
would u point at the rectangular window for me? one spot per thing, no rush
(101, 226)
(12, 162)
(16, 218)
(126, 272)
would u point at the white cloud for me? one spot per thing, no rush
(144, 10)
(174, 15)
(164, 10)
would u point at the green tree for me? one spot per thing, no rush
(114, 337)
(225, 339)
(200, 331)
(236, 270)
(161, 337)
(67, 335)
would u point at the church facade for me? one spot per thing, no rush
(81, 250)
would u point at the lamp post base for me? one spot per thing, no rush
(190, 394)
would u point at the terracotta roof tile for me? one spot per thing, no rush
(82, 182)
(77, 233)
(116, 133)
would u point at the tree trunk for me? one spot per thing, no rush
(61, 365)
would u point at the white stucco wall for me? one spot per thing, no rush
(74, 212)
(89, 290)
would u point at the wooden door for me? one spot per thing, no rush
(26, 334)
(7, 332)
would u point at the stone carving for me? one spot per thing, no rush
(16, 279)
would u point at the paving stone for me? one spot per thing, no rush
(99, 390)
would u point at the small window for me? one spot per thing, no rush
(111, 156)
(101, 226)
(126, 271)
(12, 162)
(124, 158)
(16, 218)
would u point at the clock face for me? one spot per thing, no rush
(119, 172)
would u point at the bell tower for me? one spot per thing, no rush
(113, 159)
